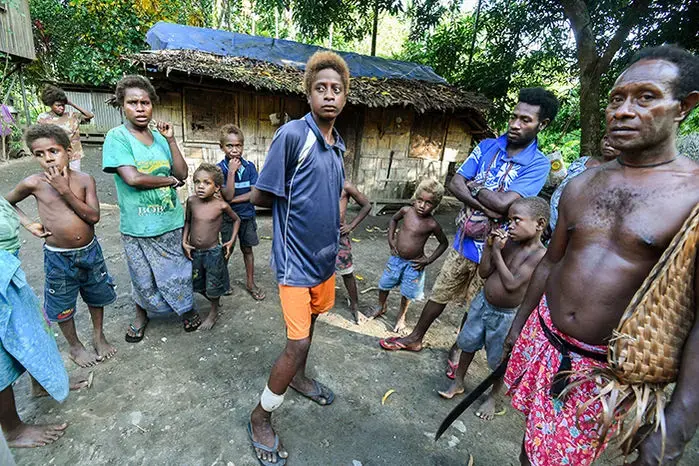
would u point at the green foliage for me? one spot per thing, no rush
(83, 41)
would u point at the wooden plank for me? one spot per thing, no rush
(206, 111)
(16, 37)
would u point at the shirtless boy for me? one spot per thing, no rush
(614, 223)
(407, 263)
(509, 259)
(344, 265)
(200, 239)
(73, 261)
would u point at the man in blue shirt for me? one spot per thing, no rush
(498, 172)
(239, 176)
(301, 181)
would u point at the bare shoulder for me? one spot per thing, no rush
(32, 181)
(85, 179)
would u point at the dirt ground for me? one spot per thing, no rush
(179, 398)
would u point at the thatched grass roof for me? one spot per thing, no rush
(373, 92)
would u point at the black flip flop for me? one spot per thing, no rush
(140, 332)
(321, 394)
(192, 324)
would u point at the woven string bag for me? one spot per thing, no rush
(645, 352)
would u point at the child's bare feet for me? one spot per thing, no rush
(82, 357)
(209, 322)
(30, 436)
(76, 382)
(359, 318)
(400, 326)
(454, 389)
(102, 347)
(487, 410)
(376, 311)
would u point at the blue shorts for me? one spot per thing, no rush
(72, 271)
(210, 272)
(486, 325)
(401, 271)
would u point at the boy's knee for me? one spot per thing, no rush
(297, 348)
(247, 250)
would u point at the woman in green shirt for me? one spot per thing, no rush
(148, 166)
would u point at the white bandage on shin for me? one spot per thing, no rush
(270, 400)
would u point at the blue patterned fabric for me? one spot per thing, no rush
(26, 341)
(574, 169)
(161, 275)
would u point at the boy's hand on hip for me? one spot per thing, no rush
(228, 248)
(38, 230)
(187, 248)
(58, 179)
(345, 229)
(420, 263)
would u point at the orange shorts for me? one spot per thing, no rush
(299, 304)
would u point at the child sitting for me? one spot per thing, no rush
(508, 262)
(73, 261)
(200, 239)
(408, 261)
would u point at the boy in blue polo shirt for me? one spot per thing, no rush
(301, 181)
(239, 176)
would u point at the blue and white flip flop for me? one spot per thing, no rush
(274, 449)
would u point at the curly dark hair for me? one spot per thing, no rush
(52, 94)
(323, 60)
(47, 131)
(231, 129)
(213, 170)
(134, 81)
(687, 65)
(536, 206)
(547, 102)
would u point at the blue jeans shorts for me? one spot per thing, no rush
(400, 271)
(486, 325)
(72, 271)
(210, 272)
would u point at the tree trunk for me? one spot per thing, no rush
(590, 114)
(375, 29)
(593, 63)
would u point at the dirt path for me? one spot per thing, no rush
(179, 398)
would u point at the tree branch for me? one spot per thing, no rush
(633, 13)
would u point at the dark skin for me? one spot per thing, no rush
(327, 98)
(68, 209)
(59, 108)
(138, 112)
(232, 146)
(524, 125)
(418, 225)
(349, 191)
(508, 261)
(616, 223)
(203, 218)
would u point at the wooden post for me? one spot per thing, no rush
(24, 97)
(375, 28)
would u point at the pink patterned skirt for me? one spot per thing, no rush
(555, 434)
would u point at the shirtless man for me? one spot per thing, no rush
(200, 239)
(406, 266)
(73, 261)
(614, 223)
(344, 265)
